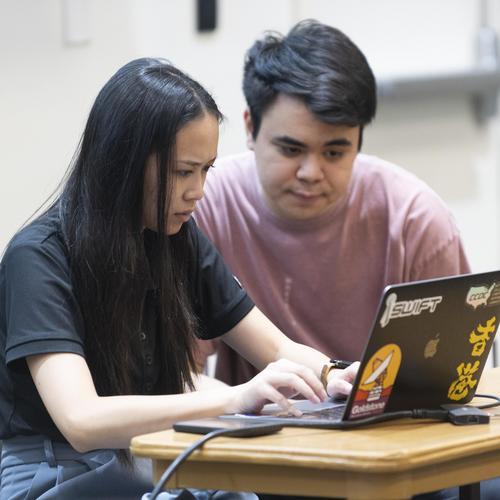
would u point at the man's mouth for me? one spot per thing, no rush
(306, 195)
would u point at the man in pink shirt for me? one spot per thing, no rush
(313, 229)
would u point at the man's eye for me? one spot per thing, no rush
(333, 154)
(289, 150)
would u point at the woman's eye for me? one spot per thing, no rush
(183, 173)
(207, 168)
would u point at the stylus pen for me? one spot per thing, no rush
(339, 363)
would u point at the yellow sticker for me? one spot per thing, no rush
(377, 381)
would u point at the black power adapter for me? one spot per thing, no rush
(466, 415)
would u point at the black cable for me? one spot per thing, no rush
(384, 417)
(266, 428)
(254, 430)
(260, 429)
(488, 405)
(181, 458)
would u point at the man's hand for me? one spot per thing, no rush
(340, 381)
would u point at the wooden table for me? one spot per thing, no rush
(385, 461)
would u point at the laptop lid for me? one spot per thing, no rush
(428, 346)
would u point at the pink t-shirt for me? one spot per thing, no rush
(320, 280)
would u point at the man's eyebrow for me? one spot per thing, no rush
(338, 142)
(285, 139)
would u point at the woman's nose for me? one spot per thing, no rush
(195, 189)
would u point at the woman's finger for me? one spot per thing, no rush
(275, 396)
(303, 372)
(291, 380)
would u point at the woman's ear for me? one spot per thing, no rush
(247, 118)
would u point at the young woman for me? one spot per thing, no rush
(103, 295)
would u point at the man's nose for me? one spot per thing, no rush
(311, 169)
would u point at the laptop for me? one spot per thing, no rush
(428, 346)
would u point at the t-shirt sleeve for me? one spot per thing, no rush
(220, 300)
(41, 312)
(433, 243)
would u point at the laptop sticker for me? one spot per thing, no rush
(467, 376)
(403, 308)
(431, 347)
(377, 382)
(483, 295)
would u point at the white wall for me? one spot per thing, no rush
(167, 28)
(46, 90)
(47, 87)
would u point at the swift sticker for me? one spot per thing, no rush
(400, 309)
(377, 382)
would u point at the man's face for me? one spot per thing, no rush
(304, 165)
(195, 152)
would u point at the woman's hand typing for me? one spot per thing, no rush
(279, 381)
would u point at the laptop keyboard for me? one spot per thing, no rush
(334, 413)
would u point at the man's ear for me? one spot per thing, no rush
(247, 118)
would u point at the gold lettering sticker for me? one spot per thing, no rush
(482, 336)
(460, 387)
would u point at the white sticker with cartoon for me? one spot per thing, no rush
(377, 381)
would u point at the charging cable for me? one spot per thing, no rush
(260, 429)
(254, 430)
(456, 414)
(489, 405)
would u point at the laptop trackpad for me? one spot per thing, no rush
(303, 405)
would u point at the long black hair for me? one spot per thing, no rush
(315, 63)
(137, 113)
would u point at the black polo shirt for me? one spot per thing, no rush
(39, 314)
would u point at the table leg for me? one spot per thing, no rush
(470, 491)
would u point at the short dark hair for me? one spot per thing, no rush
(319, 65)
